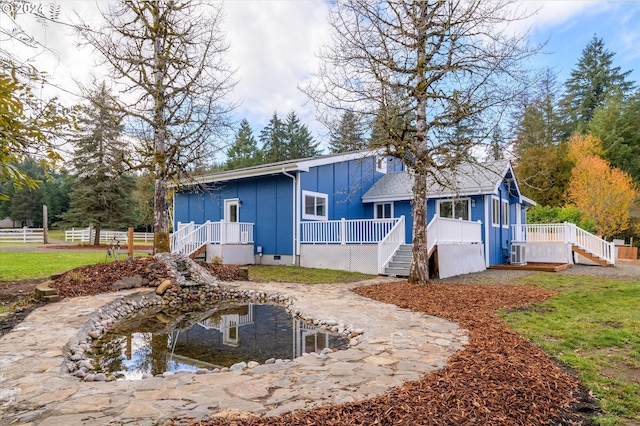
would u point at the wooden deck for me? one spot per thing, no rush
(535, 266)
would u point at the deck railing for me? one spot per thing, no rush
(564, 233)
(442, 230)
(388, 246)
(190, 237)
(352, 231)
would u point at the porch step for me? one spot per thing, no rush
(590, 256)
(198, 251)
(401, 262)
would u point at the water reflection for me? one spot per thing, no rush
(156, 342)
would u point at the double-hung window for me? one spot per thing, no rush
(315, 205)
(505, 213)
(495, 211)
(455, 209)
(383, 210)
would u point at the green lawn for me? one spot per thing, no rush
(296, 274)
(28, 265)
(593, 325)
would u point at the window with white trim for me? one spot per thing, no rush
(383, 210)
(505, 213)
(495, 211)
(315, 205)
(455, 209)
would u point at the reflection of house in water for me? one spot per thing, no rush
(228, 325)
(307, 338)
(247, 333)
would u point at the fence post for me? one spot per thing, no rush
(343, 230)
(223, 232)
(24, 234)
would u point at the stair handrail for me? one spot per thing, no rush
(388, 245)
(591, 243)
(192, 241)
(178, 235)
(432, 233)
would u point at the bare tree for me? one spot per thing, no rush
(435, 76)
(169, 56)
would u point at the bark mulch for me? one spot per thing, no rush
(498, 379)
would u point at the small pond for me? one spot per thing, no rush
(154, 342)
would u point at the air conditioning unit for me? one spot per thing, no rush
(518, 254)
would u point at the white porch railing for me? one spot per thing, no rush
(352, 231)
(190, 237)
(564, 233)
(388, 246)
(442, 230)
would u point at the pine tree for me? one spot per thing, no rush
(348, 136)
(592, 80)
(300, 143)
(102, 192)
(272, 138)
(244, 152)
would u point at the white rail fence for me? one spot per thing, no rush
(388, 246)
(442, 230)
(343, 231)
(22, 235)
(190, 236)
(564, 233)
(106, 237)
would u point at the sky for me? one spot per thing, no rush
(274, 46)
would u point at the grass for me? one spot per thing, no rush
(30, 265)
(593, 325)
(297, 274)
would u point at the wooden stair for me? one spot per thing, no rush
(45, 293)
(590, 256)
(198, 252)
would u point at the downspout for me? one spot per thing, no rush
(295, 218)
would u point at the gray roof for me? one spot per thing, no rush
(465, 179)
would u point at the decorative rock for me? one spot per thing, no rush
(270, 361)
(162, 288)
(94, 334)
(89, 377)
(238, 366)
(202, 371)
(79, 373)
(100, 377)
(252, 364)
(147, 376)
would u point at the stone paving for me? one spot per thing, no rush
(397, 345)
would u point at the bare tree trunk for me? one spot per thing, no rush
(419, 271)
(96, 235)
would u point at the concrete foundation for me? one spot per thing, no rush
(231, 254)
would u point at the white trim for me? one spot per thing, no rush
(375, 210)
(453, 210)
(316, 195)
(381, 164)
(505, 213)
(495, 224)
(518, 214)
(487, 237)
(227, 204)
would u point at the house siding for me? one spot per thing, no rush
(266, 201)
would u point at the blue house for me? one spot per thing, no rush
(350, 211)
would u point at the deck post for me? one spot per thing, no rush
(343, 231)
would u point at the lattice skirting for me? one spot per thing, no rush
(349, 257)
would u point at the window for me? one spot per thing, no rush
(383, 210)
(232, 210)
(315, 205)
(455, 209)
(505, 213)
(495, 211)
(381, 164)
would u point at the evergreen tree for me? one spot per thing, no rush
(616, 124)
(299, 141)
(102, 192)
(591, 81)
(244, 152)
(348, 136)
(272, 138)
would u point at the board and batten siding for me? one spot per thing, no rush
(266, 201)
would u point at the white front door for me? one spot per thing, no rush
(232, 210)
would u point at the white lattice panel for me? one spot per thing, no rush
(355, 258)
